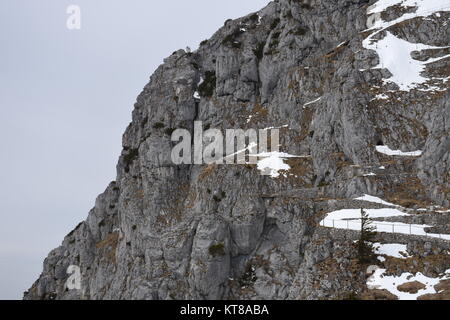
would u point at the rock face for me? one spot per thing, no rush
(166, 231)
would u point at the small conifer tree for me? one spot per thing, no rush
(365, 242)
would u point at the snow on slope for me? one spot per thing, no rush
(390, 283)
(386, 150)
(395, 53)
(350, 219)
(395, 250)
(273, 162)
(424, 7)
(373, 199)
(311, 102)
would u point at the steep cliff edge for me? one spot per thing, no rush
(359, 90)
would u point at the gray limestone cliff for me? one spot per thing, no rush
(166, 231)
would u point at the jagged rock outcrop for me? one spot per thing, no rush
(166, 231)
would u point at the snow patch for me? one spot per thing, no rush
(395, 53)
(311, 102)
(370, 198)
(395, 250)
(390, 283)
(424, 8)
(350, 219)
(270, 128)
(381, 96)
(370, 174)
(259, 19)
(386, 150)
(273, 162)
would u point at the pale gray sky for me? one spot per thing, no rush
(66, 98)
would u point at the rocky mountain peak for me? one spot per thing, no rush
(359, 92)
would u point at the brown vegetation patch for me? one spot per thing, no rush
(336, 50)
(433, 263)
(411, 287)
(407, 193)
(305, 123)
(108, 246)
(378, 294)
(301, 167)
(258, 112)
(206, 171)
(437, 296)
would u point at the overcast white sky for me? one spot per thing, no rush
(66, 98)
